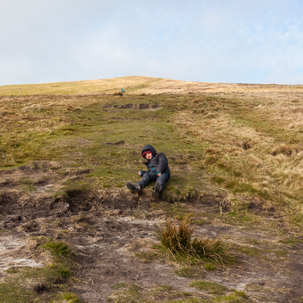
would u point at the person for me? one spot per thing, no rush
(157, 170)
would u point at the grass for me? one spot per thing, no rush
(242, 144)
(59, 250)
(177, 240)
(211, 287)
(207, 292)
(100, 133)
(134, 293)
(67, 298)
(28, 284)
(13, 293)
(235, 297)
(97, 133)
(190, 272)
(130, 84)
(249, 151)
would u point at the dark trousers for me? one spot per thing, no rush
(149, 177)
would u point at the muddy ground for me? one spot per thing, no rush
(112, 234)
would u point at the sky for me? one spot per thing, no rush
(234, 41)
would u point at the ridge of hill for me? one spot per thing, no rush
(68, 149)
(151, 85)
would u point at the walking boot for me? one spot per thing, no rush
(157, 191)
(134, 187)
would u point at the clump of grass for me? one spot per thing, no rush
(177, 239)
(61, 269)
(59, 249)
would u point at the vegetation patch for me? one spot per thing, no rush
(67, 298)
(14, 293)
(207, 292)
(27, 284)
(190, 272)
(211, 287)
(178, 242)
(235, 297)
(134, 293)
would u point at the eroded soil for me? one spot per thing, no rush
(112, 234)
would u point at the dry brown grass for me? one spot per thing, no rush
(253, 145)
(102, 86)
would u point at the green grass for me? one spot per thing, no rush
(13, 293)
(190, 272)
(105, 137)
(59, 250)
(213, 293)
(211, 287)
(66, 298)
(235, 297)
(54, 277)
(134, 293)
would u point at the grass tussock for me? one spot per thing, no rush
(59, 250)
(178, 241)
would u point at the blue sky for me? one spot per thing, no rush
(247, 41)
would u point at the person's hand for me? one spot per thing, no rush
(158, 174)
(139, 173)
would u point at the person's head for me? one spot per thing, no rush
(148, 149)
(147, 155)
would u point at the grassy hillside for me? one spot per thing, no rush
(78, 87)
(235, 151)
(245, 145)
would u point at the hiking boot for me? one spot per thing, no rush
(134, 187)
(157, 191)
(158, 188)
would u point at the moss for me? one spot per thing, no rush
(67, 298)
(249, 250)
(119, 285)
(148, 257)
(235, 297)
(211, 287)
(210, 266)
(190, 272)
(161, 293)
(14, 293)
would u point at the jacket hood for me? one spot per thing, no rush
(150, 148)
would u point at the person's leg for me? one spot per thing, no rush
(137, 187)
(146, 179)
(160, 183)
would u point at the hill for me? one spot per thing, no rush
(68, 149)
